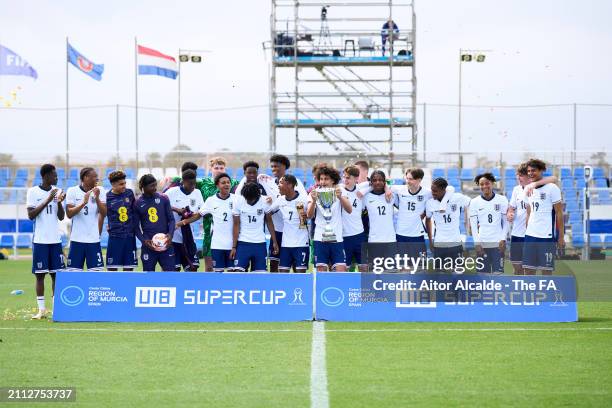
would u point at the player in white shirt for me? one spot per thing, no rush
(220, 206)
(380, 210)
(517, 214)
(353, 234)
(185, 200)
(44, 205)
(328, 253)
(446, 240)
(250, 211)
(86, 207)
(291, 205)
(544, 223)
(489, 225)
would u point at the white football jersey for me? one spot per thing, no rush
(293, 235)
(252, 219)
(223, 220)
(518, 201)
(352, 223)
(336, 221)
(541, 223)
(410, 207)
(46, 224)
(85, 223)
(380, 214)
(178, 199)
(488, 220)
(447, 223)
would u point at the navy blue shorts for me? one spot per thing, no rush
(352, 248)
(296, 257)
(454, 253)
(539, 253)
(329, 253)
(516, 249)
(493, 261)
(414, 246)
(279, 240)
(151, 258)
(81, 252)
(47, 258)
(180, 258)
(121, 253)
(221, 259)
(253, 252)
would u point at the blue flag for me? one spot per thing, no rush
(13, 64)
(84, 65)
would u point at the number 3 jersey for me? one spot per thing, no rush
(541, 221)
(447, 232)
(120, 214)
(85, 223)
(154, 214)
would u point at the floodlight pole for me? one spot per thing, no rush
(459, 121)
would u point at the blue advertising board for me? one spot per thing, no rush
(445, 298)
(182, 297)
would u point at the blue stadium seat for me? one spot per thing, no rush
(72, 182)
(604, 197)
(571, 206)
(601, 183)
(608, 240)
(25, 225)
(61, 172)
(268, 171)
(230, 171)
(577, 240)
(8, 225)
(598, 172)
(496, 172)
(398, 182)
(3, 183)
(469, 242)
(596, 241)
(436, 173)
(575, 217)
(74, 173)
(579, 173)
(130, 173)
(453, 173)
(466, 175)
(567, 183)
(20, 182)
(21, 173)
(239, 174)
(5, 173)
(104, 240)
(24, 241)
(509, 173)
(298, 173)
(565, 172)
(455, 183)
(200, 172)
(7, 241)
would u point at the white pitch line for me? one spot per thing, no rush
(415, 330)
(319, 396)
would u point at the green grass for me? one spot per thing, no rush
(401, 364)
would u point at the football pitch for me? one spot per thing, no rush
(319, 364)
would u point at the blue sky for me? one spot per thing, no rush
(545, 52)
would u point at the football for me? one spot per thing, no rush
(160, 242)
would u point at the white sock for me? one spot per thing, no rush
(41, 302)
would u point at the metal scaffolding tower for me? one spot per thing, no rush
(340, 79)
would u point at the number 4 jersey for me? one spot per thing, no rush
(120, 214)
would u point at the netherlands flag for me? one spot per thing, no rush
(152, 62)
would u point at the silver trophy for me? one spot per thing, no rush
(325, 200)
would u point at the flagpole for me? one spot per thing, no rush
(136, 94)
(67, 164)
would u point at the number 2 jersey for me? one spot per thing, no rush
(120, 214)
(154, 216)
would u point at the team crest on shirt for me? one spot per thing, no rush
(419, 198)
(192, 202)
(145, 257)
(157, 201)
(109, 261)
(231, 206)
(69, 261)
(497, 207)
(453, 207)
(259, 211)
(127, 200)
(542, 196)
